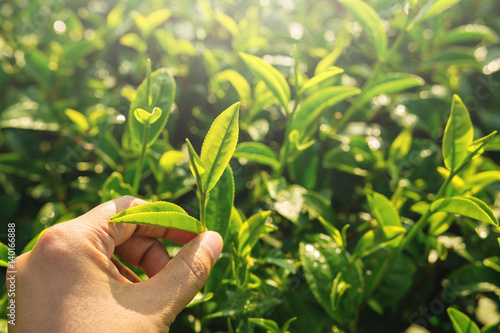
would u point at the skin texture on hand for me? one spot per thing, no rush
(70, 281)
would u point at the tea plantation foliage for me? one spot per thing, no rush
(354, 200)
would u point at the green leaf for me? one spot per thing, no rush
(115, 187)
(268, 324)
(493, 263)
(466, 206)
(477, 147)
(163, 90)
(273, 79)
(4, 255)
(220, 203)
(219, 145)
(258, 153)
(438, 7)
(144, 117)
(338, 289)
(251, 231)
(78, 118)
(458, 135)
(461, 322)
(389, 84)
(320, 78)
(469, 33)
(200, 298)
(456, 57)
(160, 213)
(368, 18)
(169, 160)
(322, 260)
(147, 24)
(382, 209)
(196, 165)
(313, 106)
(239, 83)
(286, 325)
(228, 23)
(321, 209)
(376, 239)
(401, 145)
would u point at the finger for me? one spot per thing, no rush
(186, 273)
(125, 272)
(147, 253)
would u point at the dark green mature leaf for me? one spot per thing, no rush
(273, 79)
(251, 231)
(115, 187)
(458, 135)
(219, 145)
(160, 213)
(322, 261)
(163, 91)
(368, 18)
(220, 203)
(258, 153)
(376, 239)
(313, 106)
(466, 206)
(382, 209)
(461, 322)
(471, 279)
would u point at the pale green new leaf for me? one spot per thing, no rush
(468, 33)
(115, 187)
(461, 322)
(258, 153)
(4, 255)
(458, 135)
(401, 145)
(220, 203)
(368, 18)
(200, 298)
(162, 214)
(239, 83)
(438, 7)
(219, 145)
(320, 78)
(163, 90)
(389, 84)
(78, 118)
(169, 160)
(195, 162)
(376, 239)
(382, 209)
(273, 79)
(466, 206)
(144, 117)
(268, 324)
(251, 231)
(313, 106)
(477, 147)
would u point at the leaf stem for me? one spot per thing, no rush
(138, 170)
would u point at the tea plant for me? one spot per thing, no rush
(354, 189)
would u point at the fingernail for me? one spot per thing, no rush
(213, 241)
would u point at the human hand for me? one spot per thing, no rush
(70, 281)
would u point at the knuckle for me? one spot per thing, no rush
(52, 242)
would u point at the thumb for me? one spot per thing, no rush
(188, 271)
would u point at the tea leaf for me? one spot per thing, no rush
(220, 203)
(4, 255)
(251, 231)
(368, 18)
(469, 33)
(458, 135)
(219, 145)
(114, 187)
(200, 298)
(258, 153)
(390, 83)
(401, 145)
(273, 79)
(376, 239)
(268, 324)
(477, 147)
(161, 214)
(163, 90)
(461, 322)
(144, 117)
(382, 209)
(195, 164)
(313, 106)
(169, 159)
(78, 118)
(239, 83)
(466, 206)
(320, 78)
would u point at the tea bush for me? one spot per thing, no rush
(349, 196)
